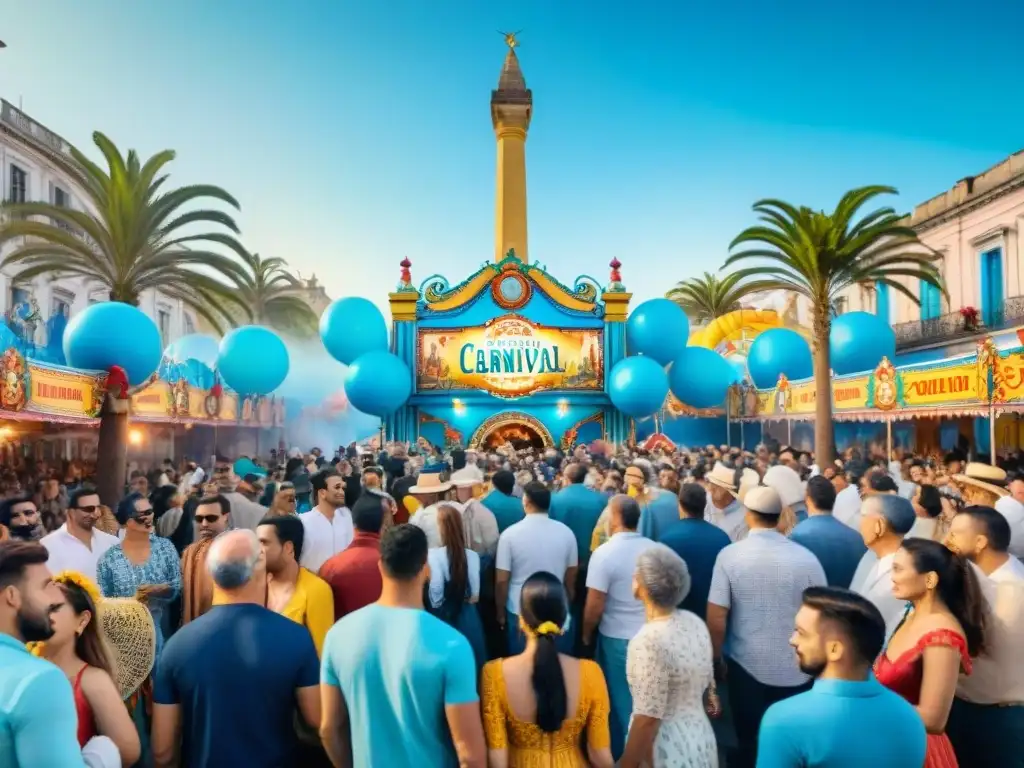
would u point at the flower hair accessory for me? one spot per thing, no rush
(81, 581)
(548, 628)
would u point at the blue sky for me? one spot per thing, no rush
(355, 133)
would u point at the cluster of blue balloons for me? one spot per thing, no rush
(857, 343)
(656, 336)
(354, 333)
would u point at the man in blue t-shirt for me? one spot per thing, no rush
(698, 542)
(848, 719)
(399, 685)
(838, 547)
(227, 684)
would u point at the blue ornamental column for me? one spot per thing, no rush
(616, 309)
(401, 425)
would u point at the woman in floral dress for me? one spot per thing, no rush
(669, 668)
(142, 565)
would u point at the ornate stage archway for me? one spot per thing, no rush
(508, 420)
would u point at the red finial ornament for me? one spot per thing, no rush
(406, 277)
(216, 390)
(117, 382)
(616, 275)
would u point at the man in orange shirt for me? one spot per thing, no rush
(354, 573)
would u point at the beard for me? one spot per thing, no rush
(814, 669)
(27, 532)
(35, 627)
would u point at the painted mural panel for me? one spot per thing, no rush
(509, 356)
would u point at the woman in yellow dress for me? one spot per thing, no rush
(537, 704)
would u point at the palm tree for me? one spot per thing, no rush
(819, 255)
(270, 292)
(131, 239)
(705, 298)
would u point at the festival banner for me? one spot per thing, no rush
(510, 356)
(62, 391)
(1007, 375)
(154, 400)
(850, 394)
(933, 387)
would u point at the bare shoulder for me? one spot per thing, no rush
(97, 681)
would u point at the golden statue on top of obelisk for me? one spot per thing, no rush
(510, 38)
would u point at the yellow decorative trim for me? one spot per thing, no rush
(468, 292)
(583, 302)
(616, 306)
(403, 305)
(510, 417)
(559, 294)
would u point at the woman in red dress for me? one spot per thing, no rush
(79, 649)
(943, 629)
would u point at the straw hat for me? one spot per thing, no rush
(131, 636)
(430, 482)
(983, 476)
(723, 477)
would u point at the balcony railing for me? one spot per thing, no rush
(951, 326)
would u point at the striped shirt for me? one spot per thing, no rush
(761, 581)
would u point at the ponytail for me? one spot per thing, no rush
(544, 607)
(549, 685)
(970, 608)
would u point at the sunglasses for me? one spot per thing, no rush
(221, 470)
(140, 513)
(211, 519)
(88, 509)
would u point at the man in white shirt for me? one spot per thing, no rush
(885, 519)
(848, 498)
(328, 525)
(535, 543)
(77, 545)
(613, 610)
(724, 507)
(986, 722)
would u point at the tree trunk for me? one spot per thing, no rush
(112, 454)
(824, 430)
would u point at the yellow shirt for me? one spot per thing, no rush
(312, 606)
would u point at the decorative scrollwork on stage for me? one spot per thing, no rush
(434, 288)
(586, 288)
(506, 418)
(572, 433)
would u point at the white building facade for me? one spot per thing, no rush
(30, 173)
(975, 230)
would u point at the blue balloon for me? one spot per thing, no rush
(195, 346)
(638, 386)
(253, 360)
(378, 383)
(700, 377)
(112, 333)
(859, 341)
(659, 329)
(777, 351)
(352, 327)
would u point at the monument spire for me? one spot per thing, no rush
(511, 110)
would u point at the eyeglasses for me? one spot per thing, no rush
(88, 508)
(221, 470)
(211, 519)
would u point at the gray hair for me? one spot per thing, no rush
(664, 575)
(232, 558)
(897, 511)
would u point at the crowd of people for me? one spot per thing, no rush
(517, 609)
